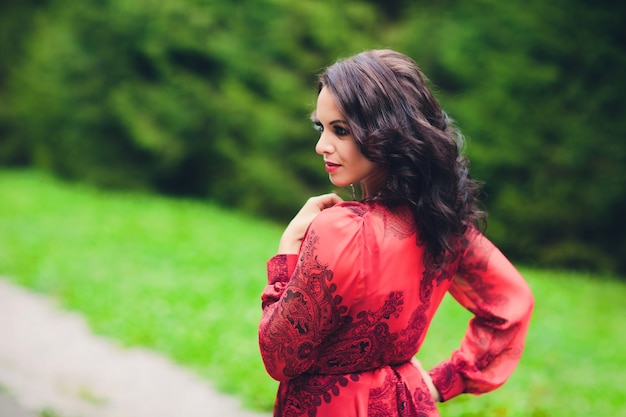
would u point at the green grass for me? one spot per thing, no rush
(574, 363)
(184, 278)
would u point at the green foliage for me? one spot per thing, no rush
(184, 278)
(211, 99)
(182, 97)
(16, 25)
(537, 88)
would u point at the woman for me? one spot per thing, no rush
(355, 285)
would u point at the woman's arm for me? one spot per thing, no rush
(489, 286)
(301, 303)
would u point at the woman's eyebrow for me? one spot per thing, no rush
(334, 122)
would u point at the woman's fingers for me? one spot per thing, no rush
(294, 233)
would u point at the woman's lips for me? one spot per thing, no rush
(330, 166)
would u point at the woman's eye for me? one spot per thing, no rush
(340, 131)
(318, 126)
(337, 129)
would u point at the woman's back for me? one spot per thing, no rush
(385, 296)
(345, 317)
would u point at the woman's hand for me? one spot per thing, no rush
(294, 233)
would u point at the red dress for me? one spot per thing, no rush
(344, 318)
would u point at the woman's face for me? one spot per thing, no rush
(343, 159)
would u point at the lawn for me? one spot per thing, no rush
(184, 277)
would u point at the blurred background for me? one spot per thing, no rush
(152, 151)
(210, 100)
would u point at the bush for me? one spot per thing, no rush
(183, 98)
(211, 99)
(537, 89)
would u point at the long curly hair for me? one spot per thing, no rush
(398, 124)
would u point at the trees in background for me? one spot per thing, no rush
(211, 99)
(538, 89)
(187, 97)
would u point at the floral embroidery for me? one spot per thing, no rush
(308, 392)
(383, 398)
(448, 378)
(425, 405)
(394, 398)
(356, 208)
(393, 305)
(361, 344)
(326, 337)
(278, 270)
(398, 224)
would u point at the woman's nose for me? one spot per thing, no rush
(323, 146)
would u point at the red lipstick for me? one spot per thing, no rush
(330, 166)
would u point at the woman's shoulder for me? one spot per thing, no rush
(339, 233)
(355, 210)
(352, 216)
(344, 217)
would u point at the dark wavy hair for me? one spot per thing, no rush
(398, 124)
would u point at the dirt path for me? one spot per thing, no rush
(49, 360)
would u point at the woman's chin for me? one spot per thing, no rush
(340, 184)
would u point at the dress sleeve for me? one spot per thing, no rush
(490, 287)
(305, 298)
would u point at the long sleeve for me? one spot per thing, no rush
(490, 287)
(300, 304)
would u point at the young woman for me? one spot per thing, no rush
(355, 285)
